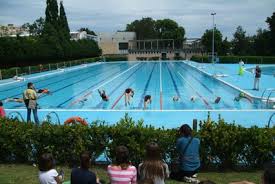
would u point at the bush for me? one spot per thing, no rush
(223, 145)
(236, 59)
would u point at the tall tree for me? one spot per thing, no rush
(206, 40)
(271, 25)
(63, 22)
(144, 28)
(225, 47)
(261, 42)
(240, 42)
(35, 28)
(169, 29)
(88, 31)
(52, 13)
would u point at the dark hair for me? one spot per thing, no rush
(207, 182)
(122, 157)
(152, 165)
(29, 84)
(46, 162)
(1, 103)
(269, 174)
(185, 130)
(146, 181)
(85, 160)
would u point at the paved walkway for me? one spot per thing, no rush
(244, 82)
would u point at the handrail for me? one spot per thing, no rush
(18, 114)
(48, 117)
(267, 89)
(267, 101)
(269, 121)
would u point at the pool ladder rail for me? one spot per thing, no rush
(268, 99)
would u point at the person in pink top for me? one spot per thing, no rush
(121, 171)
(2, 111)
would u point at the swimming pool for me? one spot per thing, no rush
(74, 93)
(77, 89)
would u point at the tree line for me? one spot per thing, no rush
(49, 41)
(260, 44)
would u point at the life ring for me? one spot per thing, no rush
(76, 119)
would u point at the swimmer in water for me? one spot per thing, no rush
(103, 95)
(243, 96)
(193, 98)
(176, 98)
(147, 101)
(129, 94)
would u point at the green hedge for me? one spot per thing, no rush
(236, 59)
(223, 145)
(11, 72)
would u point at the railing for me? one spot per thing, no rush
(267, 99)
(48, 117)
(20, 71)
(16, 116)
(270, 120)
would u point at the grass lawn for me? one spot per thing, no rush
(27, 174)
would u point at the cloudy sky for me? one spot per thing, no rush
(113, 15)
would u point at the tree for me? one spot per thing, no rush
(88, 31)
(225, 47)
(271, 25)
(63, 23)
(35, 28)
(240, 42)
(207, 37)
(261, 42)
(169, 29)
(144, 28)
(52, 13)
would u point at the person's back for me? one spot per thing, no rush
(2, 111)
(82, 176)
(190, 161)
(119, 175)
(47, 177)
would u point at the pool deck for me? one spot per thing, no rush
(244, 82)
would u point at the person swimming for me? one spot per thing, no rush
(19, 100)
(176, 98)
(44, 91)
(103, 95)
(216, 101)
(193, 98)
(147, 101)
(242, 96)
(129, 94)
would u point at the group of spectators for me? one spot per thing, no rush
(152, 170)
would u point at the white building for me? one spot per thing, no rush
(79, 35)
(115, 43)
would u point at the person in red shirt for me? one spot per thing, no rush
(2, 111)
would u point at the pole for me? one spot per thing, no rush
(29, 69)
(213, 40)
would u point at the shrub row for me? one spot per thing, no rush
(11, 72)
(236, 59)
(223, 145)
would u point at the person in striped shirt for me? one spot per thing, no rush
(121, 171)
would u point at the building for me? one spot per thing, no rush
(126, 44)
(13, 31)
(115, 43)
(80, 35)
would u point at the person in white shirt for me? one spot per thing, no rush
(47, 174)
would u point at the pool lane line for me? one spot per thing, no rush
(68, 70)
(207, 88)
(80, 99)
(101, 85)
(146, 87)
(173, 81)
(120, 84)
(160, 85)
(203, 99)
(55, 82)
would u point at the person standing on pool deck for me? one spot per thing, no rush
(30, 100)
(147, 101)
(129, 94)
(258, 73)
(103, 95)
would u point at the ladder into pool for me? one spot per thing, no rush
(267, 97)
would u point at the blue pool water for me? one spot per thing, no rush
(77, 89)
(74, 93)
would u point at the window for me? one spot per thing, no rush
(123, 46)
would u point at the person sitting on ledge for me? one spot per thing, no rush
(147, 101)
(129, 94)
(243, 96)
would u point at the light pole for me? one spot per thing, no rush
(213, 47)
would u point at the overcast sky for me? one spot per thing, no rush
(113, 15)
